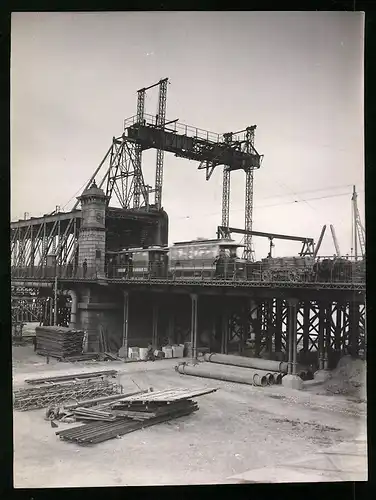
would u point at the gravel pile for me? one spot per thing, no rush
(348, 378)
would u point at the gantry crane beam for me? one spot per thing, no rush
(213, 152)
(308, 243)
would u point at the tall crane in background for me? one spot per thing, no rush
(358, 228)
(317, 248)
(335, 241)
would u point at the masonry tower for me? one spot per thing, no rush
(92, 238)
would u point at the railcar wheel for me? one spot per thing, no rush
(266, 276)
(294, 276)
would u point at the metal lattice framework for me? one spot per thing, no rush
(137, 162)
(248, 210)
(161, 120)
(34, 239)
(226, 188)
(339, 325)
(124, 177)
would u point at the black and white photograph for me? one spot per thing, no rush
(188, 262)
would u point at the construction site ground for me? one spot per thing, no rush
(240, 433)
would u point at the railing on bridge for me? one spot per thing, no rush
(177, 127)
(253, 272)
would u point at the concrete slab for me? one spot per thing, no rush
(344, 462)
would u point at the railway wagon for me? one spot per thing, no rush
(292, 269)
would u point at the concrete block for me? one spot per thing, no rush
(122, 352)
(292, 382)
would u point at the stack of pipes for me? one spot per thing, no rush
(251, 371)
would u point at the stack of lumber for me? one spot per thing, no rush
(58, 341)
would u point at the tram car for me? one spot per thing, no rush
(197, 258)
(207, 258)
(138, 263)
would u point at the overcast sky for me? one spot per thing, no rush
(297, 76)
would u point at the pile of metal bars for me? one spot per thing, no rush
(132, 413)
(41, 397)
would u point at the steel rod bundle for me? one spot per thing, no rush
(73, 376)
(41, 397)
(261, 364)
(97, 432)
(58, 341)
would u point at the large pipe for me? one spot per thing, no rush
(249, 377)
(73, 316)
(277, 378)
(261, 364)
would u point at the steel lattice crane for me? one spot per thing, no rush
(234, 139)
(248, 221)
(358, 229)
(161, 120)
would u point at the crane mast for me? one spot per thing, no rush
(248, 220)
(160, 122)
(138, 149)
(226, 188)
(335, 241)
(359, 232)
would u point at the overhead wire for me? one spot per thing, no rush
(272, 205)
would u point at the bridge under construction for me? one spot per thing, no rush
(61, 275)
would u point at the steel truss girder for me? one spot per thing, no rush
(248, 209)
(31, 243)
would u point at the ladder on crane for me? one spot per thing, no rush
(358, 230)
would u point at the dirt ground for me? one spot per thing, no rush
(237, 428)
